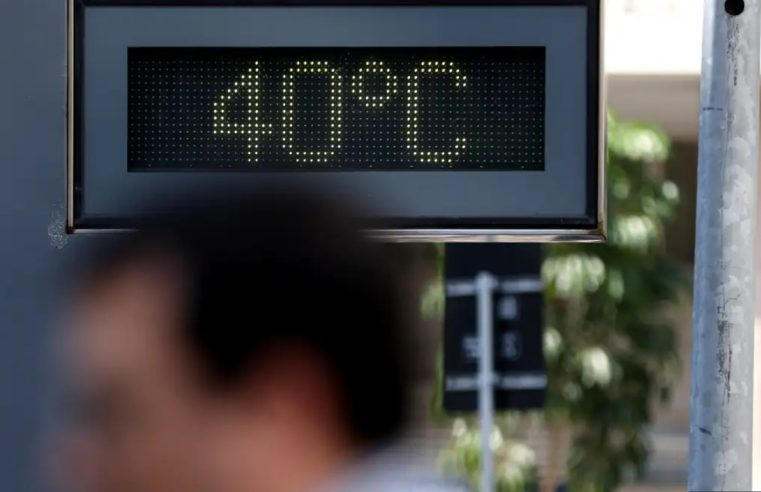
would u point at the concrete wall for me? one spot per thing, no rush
(32, 171)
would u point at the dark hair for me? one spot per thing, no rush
(285, 268)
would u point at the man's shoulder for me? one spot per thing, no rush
(428, 486)
(401, 479)
(396, 469)
(395, 484)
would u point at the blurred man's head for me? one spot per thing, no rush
(248, 345)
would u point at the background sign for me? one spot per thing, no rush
(518, 327)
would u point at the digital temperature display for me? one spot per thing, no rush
(336, 109)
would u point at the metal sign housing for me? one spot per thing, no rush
(453, 120)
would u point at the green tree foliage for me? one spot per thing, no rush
(611, 351)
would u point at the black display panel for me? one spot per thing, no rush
(336, 109)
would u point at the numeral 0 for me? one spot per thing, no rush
(289, 89)
(253, 129)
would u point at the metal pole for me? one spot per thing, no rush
(722, 361)
(485, 284)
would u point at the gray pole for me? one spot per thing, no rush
(722, 361)
(485, 284)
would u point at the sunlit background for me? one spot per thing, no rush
(653, 60)
(618, 406)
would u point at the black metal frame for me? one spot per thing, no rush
(592, 226)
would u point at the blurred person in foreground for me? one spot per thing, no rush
(250, 345)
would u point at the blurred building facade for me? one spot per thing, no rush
(653, 62)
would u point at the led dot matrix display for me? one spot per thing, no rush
(336, 108)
